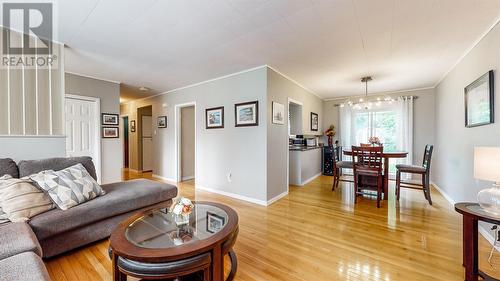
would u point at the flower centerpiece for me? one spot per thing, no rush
(181, 210)
(374, 141)
(330, 133)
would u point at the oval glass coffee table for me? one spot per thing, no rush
(151, 245)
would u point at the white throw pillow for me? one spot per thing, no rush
(20, 199)
(69, 187)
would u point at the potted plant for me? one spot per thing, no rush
(182, 210)
(330, 133)
(374, 141)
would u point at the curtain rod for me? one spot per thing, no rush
(374, 100)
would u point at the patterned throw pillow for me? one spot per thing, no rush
(20, 199)
(69, 187)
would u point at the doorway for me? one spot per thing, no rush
(125, 143)
(82, 122)
(186, 141)
(145, 138)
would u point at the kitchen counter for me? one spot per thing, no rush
(304, 164)
(302, 148)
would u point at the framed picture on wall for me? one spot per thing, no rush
(110, 132)
(132, 126)
(214, 117)
(110, 119)
(278, 113)
(246, 114)
(162, 121)
(479, 105)
(314, 121)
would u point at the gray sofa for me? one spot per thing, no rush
(57, 231)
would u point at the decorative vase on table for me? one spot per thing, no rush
(330, 141)
(181, 210)
(486, 167)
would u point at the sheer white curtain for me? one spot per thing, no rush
(347, 134)
(405, 127)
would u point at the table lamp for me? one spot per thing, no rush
(487, 167)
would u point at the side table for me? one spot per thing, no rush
(472, 213)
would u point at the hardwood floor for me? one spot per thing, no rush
(316, 234)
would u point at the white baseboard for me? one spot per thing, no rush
(445, 195)
(276, 198)
(310, 179)
(169, 180)
(186, 178)
(485, 232)
(232, 195)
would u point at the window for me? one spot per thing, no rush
(381, 124)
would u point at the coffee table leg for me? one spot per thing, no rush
(117, 274)
(217, 264)
(234, 265)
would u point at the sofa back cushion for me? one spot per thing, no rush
(8, 167)
(30, 167)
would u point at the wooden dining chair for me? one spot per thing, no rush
(368, 165)
(338, 166)
(423, 170)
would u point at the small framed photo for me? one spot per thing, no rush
(109, 119)
(132, 126)
(214, 117)
(246, 114)
(215, 222)
(314, 121)
(110, 132)
(479, 101)
(278, 113)
(162, 121)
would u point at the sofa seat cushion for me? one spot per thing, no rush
(17, 238)
(120, 198)
(26, 267)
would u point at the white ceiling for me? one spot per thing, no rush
(326, 45)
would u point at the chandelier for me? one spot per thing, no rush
(365, 102)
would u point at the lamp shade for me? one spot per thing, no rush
(487, 163)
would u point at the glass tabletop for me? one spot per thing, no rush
(159, 230)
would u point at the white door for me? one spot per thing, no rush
(147, 143)
(82, 129)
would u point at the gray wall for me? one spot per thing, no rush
(187, 142)
(27, 148)
(423, 119)
(279, 89)
(109, 94)
(239, 151)
(453, 154)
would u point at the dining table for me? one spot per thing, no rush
(386, 156)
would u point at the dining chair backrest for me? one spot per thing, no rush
(337, 154)
(367, 157)
(427, 156)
